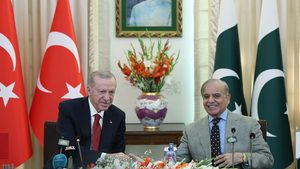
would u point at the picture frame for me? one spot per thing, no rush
(135, 18)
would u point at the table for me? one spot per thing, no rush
(167, 133)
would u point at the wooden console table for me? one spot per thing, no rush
(167, 133)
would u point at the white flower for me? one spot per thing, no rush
(149, 63)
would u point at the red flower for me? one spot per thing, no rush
(149, 69)
(182, 165)
(126, 71)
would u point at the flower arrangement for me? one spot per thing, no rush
(146, 162)
(148, 68)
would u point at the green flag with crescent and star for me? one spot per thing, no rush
(269, 100)
(227, 59)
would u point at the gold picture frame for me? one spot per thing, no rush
(130, 25)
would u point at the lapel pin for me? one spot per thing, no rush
(110, 122)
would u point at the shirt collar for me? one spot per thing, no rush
(223, 116)
(93, 110)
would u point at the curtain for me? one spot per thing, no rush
(33, 20)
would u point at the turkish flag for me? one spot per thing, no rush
(15, 143)
(60, 77)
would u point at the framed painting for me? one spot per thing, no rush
(155, 18)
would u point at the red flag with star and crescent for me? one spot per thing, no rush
(60, 76)
(15, 143)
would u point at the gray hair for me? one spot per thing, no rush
(218, 81)
(101, 74)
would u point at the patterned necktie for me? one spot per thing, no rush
(215, 138)
(96, 133)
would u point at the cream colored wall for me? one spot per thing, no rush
(181, 104)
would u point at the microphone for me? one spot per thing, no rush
(60, 161)
(70, 150)
(79, 152)
(232, 140)
(252, 136)
(70, 163)
(62, 142)
(232, 130)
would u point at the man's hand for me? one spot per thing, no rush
(120, 156)
(225, 160)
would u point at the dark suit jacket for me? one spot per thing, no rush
(74, 121)
(195, 142)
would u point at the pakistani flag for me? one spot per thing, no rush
(269, 98)
(227, 60)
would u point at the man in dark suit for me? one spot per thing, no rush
(77, 117)
(197, 140)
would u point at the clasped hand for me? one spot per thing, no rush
(121, 156)
(225, 160)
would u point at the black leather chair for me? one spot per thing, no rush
(263, 127)
(50, 140)
(51, 137)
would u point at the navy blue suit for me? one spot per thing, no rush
(74, 120)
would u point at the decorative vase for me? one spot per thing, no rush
(151, 109)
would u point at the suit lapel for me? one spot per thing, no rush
(205, 137)
(107, 121)
(232, 122)
(85, 118)
(107, 130)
